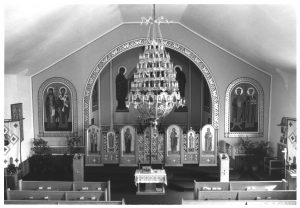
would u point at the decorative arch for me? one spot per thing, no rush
(74, 112)
(239, 86)
(139, 43)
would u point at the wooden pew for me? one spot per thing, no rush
(92, 186)
(46, 185)
(209, 186)
(86, 196)
(221, 203)
(35, 195)
(64, 202)
(267, 195)
(258, 185)
(57, 195)
(217, 195)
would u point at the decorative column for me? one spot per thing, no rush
(111, 96)
(190, 97)
(99, 105)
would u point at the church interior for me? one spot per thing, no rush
(135, 104)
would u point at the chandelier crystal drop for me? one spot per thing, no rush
(154, 90)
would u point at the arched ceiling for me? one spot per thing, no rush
(37, 36)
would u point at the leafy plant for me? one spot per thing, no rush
(41, 147)
(11, 169)
(73, 145)
(258, 150)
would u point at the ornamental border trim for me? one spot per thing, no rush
(42, 132)
(260, 92)
(139, 43)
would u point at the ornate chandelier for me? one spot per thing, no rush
(154, 91)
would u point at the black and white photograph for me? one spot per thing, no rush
(150, 103)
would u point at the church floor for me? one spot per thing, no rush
(180, 182)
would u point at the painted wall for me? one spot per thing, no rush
(129, 60)
(17, 89)
(224, 67)
(283, 102)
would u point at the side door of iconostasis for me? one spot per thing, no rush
(191, 147)
(93, 146)
(128, 146)
(173, 146)
(208, 146)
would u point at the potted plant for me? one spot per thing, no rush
(261, 149)
(11, 176)
(73, 145)
(257, 151)
(41, 160)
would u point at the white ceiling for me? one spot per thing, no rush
(37, 36)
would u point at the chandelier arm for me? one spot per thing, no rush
(148, 33)
(159, 32)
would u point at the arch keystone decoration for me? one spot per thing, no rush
(139, 43)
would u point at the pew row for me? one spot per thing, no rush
(57, 195)
(64, 202)
(238, 186)
(219, 203)
(247, 195)
(66, 186)
(258, 185)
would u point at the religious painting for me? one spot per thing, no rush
(93, 140)
(173, 146)
(16, 111)
(207, 140)
(191, 141)
(128, 140)
(181, 79)
(243, 109)
(173, 139)
(57, 108)
(121, 90)
(95, 97)
(110, 141)
(191, 147)
(208, 146)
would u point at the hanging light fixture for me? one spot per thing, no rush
(154, 90)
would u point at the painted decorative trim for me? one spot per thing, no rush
(72, 89)
(139, 43)
(260, 103)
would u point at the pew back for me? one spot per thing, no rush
(217, 195)
(210, 186)
(62, 202)
(46, 185)
(86, 196)
(258, 185)
(267, 195)
(92, 186)
(219, 203)
(35, 195)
